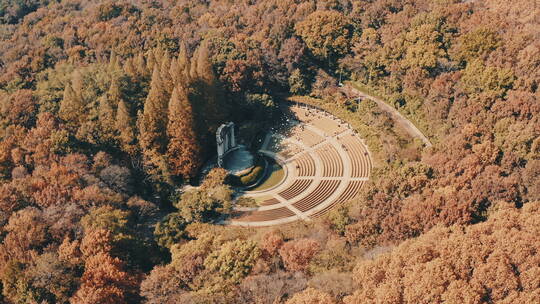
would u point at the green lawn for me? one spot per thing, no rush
(274, 177)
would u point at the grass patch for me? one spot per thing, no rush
(250, 177)
(275, 175)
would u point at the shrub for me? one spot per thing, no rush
(252, 176)
(297, 254)
(198, 206)
(234, 260)
(170, 230)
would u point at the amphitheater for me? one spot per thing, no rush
(325, 163)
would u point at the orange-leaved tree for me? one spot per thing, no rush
(183, 150)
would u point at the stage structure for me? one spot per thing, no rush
(226, 141)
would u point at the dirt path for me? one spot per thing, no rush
(396, 116)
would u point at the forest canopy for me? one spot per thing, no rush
(108, 113)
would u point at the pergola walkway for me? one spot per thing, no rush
(325, 164)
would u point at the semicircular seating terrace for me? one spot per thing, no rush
(326, 164)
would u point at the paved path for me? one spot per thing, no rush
(266, 141)
(318, 201)
(396, 116)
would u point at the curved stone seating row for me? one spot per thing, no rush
(284, 148)
(290, 151)
(265, 215)
(323, 191)
(305, 165)
(361, 165)
(269, 202)
(332, 162)
(327, 165)
(352, 190)
(308, 137)
(321, 120)
(299, 186)
(302, 114)
(329, 126)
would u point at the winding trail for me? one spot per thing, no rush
(396, 116)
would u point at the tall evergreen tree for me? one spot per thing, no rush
(106, 121)
(193, 65)
(183, 60)
(130, 68)
(183, 151)
(124, 128)
(114, 63)
(207, 93)
(141, 66)
(151, 61)
(153, 121)
(77, 83)
(180, 67)
(71, 106)
(115, 93)
(204, 69)
(165, 73)
(173, 71)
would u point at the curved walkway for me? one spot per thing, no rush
(319, 162)
(396, 116)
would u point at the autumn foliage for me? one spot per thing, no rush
(108, 113)
(477, 264)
